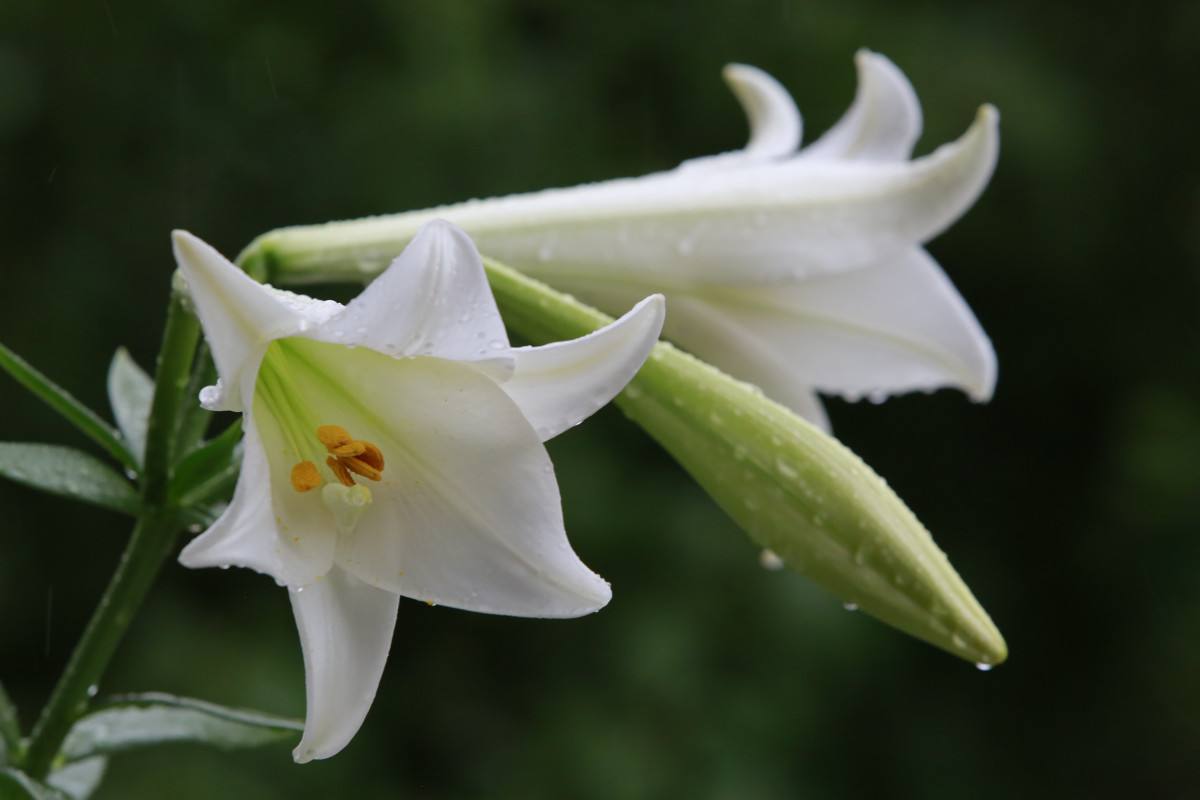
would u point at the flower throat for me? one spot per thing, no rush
(344, 456)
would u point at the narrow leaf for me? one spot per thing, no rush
(67, 472)
(79, 779)
(10, 728)
(144, 720)
(16, 785)
(210, 470)
(75, 412)
(130, 391)
(791, 487)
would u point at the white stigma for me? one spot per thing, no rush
(346, 503)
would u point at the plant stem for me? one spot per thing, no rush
(171, 380)
(153, 538)
(148, 546)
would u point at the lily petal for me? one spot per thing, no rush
(895, 327)
(559, 385)
(239, 315)
(776, 222)
(882, 124)
(247, 534)
(433, 300)
(775, 124)
(762, 223)
(345, 631)
(467, 513)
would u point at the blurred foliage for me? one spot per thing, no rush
(1070, 503)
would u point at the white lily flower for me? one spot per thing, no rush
(797, 270)
(393, 447)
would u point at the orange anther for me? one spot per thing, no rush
(333, 436)
(340, 471)
(360, 467)
(349, 450)
(305, 477)
(372, 455)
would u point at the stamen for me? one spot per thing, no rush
(333, 436)
(372, 455)
(305, 477)
(349, 450)
(340, 471)
(349, 456)
(360, 467)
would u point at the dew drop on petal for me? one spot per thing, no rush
(850, 606)
(769, 559)
(983, 666)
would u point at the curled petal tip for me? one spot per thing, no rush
(775, 125)
(863, 55)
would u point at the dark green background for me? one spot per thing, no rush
(1071, 503)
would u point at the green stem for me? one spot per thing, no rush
(170, 388)
(195, 418)
(152, 541)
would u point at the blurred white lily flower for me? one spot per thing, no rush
(796, 270)
(393, 447)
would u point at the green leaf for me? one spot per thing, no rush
(79, 779)
(67, 472)
(75, 412)
(130, 391)
(10, 727)
(16, 785)
(794, 489)
(143, 720)
(209, 471)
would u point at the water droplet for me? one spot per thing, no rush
(983, 666)
(850, 606)
(769, 559)
(786, 470)
(93, 690)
